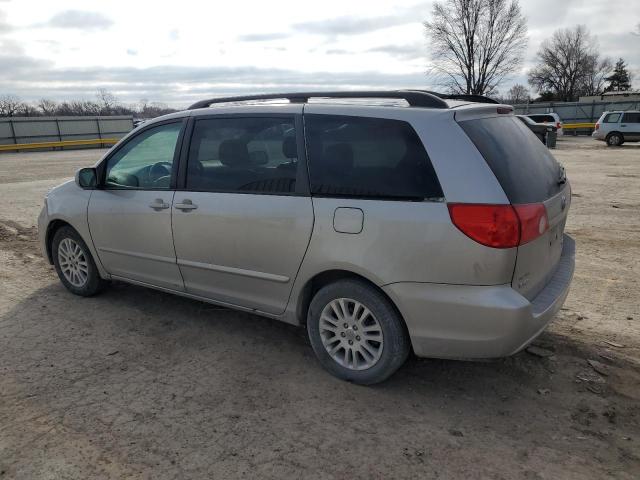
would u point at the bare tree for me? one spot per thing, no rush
(9, 105)
(568, 64)
(596, 75)
(518, 94)
(47, 106)
(475, 44)
(107, 101)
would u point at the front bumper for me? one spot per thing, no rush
(464, 321)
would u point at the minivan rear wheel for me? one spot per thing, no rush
(356, 333)
(73, 262)
(615, 139)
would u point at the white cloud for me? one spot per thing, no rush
(176, 53)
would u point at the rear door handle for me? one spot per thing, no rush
(185, 206)
(158, 204)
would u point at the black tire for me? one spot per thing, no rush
(93, 283)
(615, 139)
(396, 344)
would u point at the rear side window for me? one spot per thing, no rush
(632, 117)
(368, 158)
(246, 155)
(612, 118)
(526, 170)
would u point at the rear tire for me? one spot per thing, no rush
(615, 139)
(74, 264)
(356, 333)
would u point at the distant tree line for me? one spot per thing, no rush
(106, 104)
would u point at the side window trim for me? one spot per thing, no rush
(302, 178)
(102, 166)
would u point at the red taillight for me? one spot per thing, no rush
(533, 221)
(495, 226)
(597, 126)
(558, 125)
(500, 226)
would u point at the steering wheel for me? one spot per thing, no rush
(159, 172)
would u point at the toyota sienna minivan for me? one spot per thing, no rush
(398, 222)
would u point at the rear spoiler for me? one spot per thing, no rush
(472, 112)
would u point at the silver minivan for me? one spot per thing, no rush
(400, 222)
(618, 127)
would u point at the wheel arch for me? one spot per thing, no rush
(321, 279)
(53, 226)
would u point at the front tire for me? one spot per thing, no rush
(356, 333)
(615, 139)
(74, 264)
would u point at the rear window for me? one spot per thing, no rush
(524, 167)
(368, 158)
(543, 118)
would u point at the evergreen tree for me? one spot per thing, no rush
(619, 80)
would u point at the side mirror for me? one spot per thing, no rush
(86, 178)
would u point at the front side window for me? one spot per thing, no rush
(368, 158)
(145, 161)
(246, 155)
(632, 117)
(612, 118)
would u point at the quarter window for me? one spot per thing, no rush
(247, 155)
(612, 118)
(368, 158)
(145, 161)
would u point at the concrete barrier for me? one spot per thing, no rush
(62, 132)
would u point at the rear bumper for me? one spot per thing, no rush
(462, 321)
(598, 135)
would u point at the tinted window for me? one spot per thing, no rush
(632, 117)
(146, 160)
(543, 118)
(524, 167)
(612, 118)
(256, 155)
(368, 158)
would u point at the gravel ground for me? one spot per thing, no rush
(135, 383)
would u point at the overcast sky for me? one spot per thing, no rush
(178, 52)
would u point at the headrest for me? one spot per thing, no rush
(234, 153)
(289, 147)
(338, 158)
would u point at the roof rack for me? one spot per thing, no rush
(461, 96)
(415, 98)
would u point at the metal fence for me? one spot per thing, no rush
(576, 112)
(29, 130)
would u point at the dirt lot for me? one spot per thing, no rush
(139, 384)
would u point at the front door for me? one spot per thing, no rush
(130, 215)
(243, 221)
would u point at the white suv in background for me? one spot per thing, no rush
(552, 119)
(615, 128)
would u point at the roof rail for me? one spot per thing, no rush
(461, 96)
(415, 98)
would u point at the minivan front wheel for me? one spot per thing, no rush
(356, 333)
(614, 139)
(74, 264)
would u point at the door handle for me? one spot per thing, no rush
(158, 204)
(185, 206)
